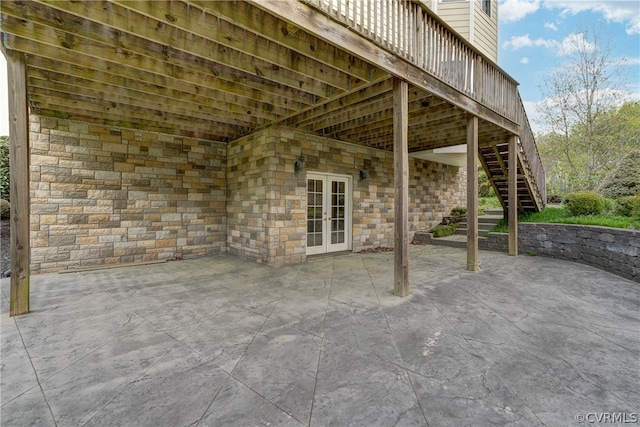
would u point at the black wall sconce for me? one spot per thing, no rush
(299, 164)
(364, 172)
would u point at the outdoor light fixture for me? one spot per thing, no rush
(299, 164)
(364, 173)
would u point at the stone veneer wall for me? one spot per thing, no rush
(611, 249)
(103, 195)
(267, 200)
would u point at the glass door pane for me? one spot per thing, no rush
(315, 212)
(337, 212)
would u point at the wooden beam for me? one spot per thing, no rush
(195, 97)
(333, 32)
(472, 193)
(339, 102)
(19, 182)
(104, 34)
(116, 102)
(143, 67)
(401, 181)
(513, 195)
(275, 32)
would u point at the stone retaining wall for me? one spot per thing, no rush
(611, 249)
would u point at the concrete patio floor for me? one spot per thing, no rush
(222, 341)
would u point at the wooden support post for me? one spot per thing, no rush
(513, 195)
(19, 182)
(472, 193)
(401, 180)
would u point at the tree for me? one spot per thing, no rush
(624, 179)
(580, 97)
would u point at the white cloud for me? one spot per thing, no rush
(574, 43)
(623, 11)
(524, 60)
(518, 42)
(625, 62)
(515, 10)
(570, 44)
(551, 26)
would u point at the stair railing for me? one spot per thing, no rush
(532, 158)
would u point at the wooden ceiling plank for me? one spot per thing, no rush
(339, 102)
(41, 84)
(193, 20)
(91, 51)
(62, 100)
(75, 115)
(143, 34)
(381, 103)
(186, 94)
(64, 55)
(342, 105)
(417, 132)
(382, 118)
(66, 109)
(253, 19)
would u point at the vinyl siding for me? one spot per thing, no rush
(456, 14)
(485, 34)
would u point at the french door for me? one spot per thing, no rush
(328, 213)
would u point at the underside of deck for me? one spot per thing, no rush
(216, 73)
(385, 75)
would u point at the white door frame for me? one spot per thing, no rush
(326, 220)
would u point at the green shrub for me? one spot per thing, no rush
(628, 206)
(4, 168)
(5, 209)
(624, 180)
(609, 205)
(443, 230)
(459, 211)
(584, 203)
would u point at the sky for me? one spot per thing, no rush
(535, 36)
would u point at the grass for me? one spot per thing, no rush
(485, 203)
(560, 216)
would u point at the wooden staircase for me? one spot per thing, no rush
(494, 159)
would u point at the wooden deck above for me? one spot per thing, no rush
(220, 70)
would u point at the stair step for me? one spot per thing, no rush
(486, 222)
(493, 212)
(454, 241)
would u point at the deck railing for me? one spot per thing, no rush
(413, 32)
(410, 30)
